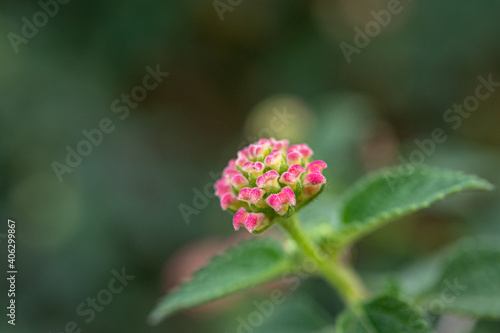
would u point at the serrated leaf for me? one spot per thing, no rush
(392, 193)
(247, 265)
(470, 280)
(383, 315)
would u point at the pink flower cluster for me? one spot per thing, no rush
(269, 179)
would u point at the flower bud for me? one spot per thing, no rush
(269, 182)
(282, 201)
(228, 201)
(239, 181)
(247, 220)
(312, 184)
(253, 169)
(292, 178)
(252, 196)
(316, 167)
(294, 157)
(274, 160)
(303, 149)
(278, 145)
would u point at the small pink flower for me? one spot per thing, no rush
(253, 169)
(228, 200)
(247, 220)
(296, 170)
(316, 167)
(258, 151)
(239, 181)
(314, 179)
(294, 157)
(269, 179)
(288, 178)
(252, 195)
(312, 184)
(303, 149)
(240, 162)
(230, 172)
(273, 160)
(292, 176)
(281, 201)
(222, 186)
(278, 145)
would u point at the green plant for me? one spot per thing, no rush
(470, 270)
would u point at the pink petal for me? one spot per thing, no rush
(296, 170)
(287, 196)
(314, 179)
(240, 162)
(256, 194)
(316, 167)
(281, 144)
(244, 153)
(267, 178)
(294, 157)
(258, 166)
(273, 160)
(258, 150)
(244, 194)
(303, 149)
(253, 220)
(227, 200)
(274, 202)
(222, 186)
(239, 218)
(253, 168)
(229, 172)
(221, 183)
(220, 192)
(248, 220)
(239, 181)
(247, 166)
(281, 201)
(251, 195)
(287, 178)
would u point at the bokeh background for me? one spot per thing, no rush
(227, 79)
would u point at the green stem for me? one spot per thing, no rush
(343, 278)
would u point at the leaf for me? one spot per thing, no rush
(419, 276)
(469, 283)
(383, 315)
(247, 265)
(299, 314)
(392, 193)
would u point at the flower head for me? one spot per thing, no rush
(269, 179)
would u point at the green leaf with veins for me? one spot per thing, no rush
(247, 265)
(391, 193)
(298, 314)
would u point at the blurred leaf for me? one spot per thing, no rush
(247, 265)
(299, 314)
(470, 280)
(392, 193)
(419, 276)
(382, 315)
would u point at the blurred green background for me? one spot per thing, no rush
(119, 208)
